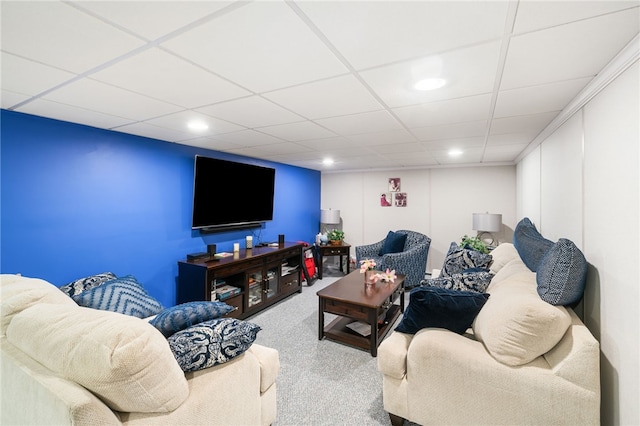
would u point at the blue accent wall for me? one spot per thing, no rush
(76, 201)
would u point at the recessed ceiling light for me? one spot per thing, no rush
(197, 126)
(327, 161)
(455, 152)
(430, 84)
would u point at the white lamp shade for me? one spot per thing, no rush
(487, 222)
(330, 216)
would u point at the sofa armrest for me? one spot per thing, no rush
(392, 355)
(269, 365)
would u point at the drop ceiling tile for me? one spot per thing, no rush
(472, 108)
(163, 76)
(261, 46)
(397, 147)
(451, 131)
(327, 98)
(368, 122)
(59, 35)
(253, 111)
(470, 155)
(110, 100)
(9, 98)
(535, 14)
(179, 122)
(533, 124)
(160, 17)
(400, 30)
(210, 142)
(28, 77)
(413, 159)
(469, 71)
(570, 51)
(248, 152)
(297, 131)
(285, 148)
(72, 114)
(538, 99)
(503, 152)
(327, 144)
(508, 139)
(458, 143)
(149, 130)
(248, 138)
(382, 138)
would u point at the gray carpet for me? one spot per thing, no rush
(320, 382)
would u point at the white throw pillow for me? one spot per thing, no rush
(122, 359)
(515, 325)
(502, 255)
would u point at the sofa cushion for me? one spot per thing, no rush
(394, 243)
(562, 274)
(19, 293)
(124, 295)
(212, 342)
(185, 315)
(87, 283)
(530, 244)
(441, 308)
(515, 325)
(502, 255)
(476, 281)
(458, 259)
(123, 360)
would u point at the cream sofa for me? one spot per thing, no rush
(523, 361)
(65, 364)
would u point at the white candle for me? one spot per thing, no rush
(236, 247)
(249, 241)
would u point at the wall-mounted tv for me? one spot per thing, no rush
(231, 195)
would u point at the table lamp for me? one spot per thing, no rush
(487, 223)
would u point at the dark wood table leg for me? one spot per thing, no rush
(373, 320)
(320, 319)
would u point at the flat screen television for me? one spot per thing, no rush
(231, 195)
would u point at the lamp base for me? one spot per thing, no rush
(488, 238)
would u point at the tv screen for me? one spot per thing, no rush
(227, 194)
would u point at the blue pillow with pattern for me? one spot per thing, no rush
(394, 243)
(87, 283)
(212, 342)
(124, 295)
(475, 281)
(441, 308)
(562, 274)
(459, 259)
(176, 318)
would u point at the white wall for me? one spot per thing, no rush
(588, 177)
(440, 203)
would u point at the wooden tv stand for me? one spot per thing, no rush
(265, 275)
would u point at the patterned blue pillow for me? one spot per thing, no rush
(441, 308)
(394, 243)
(123, 295)
(562, 274)
(87, 283)
(185, 315)
(475, 281)
(212, 342)
(530, 244)
(459, 259)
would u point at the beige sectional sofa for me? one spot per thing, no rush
(523, 361)
(65, 364)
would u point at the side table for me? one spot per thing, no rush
(333, 250)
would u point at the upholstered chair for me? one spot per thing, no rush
(410, 261)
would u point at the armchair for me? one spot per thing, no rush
(411, 261)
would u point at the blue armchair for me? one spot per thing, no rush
(412, 261)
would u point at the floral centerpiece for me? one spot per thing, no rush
(387, 276)
(367, 267)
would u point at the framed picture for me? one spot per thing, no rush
(394, 184)
(401, 199)
(385, 199)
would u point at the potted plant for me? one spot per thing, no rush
(336, 236)
(474, 243)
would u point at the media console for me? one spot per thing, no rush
(264, 275)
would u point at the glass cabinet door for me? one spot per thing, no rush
(255, 288)
(272, 282)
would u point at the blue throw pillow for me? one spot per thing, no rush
(530, 244)
(562, 274)
(212, 342)
(460, 259)
(475, 281)
(123, 295)
(176, 318)
(394, 243)
(441, 308)
(87, 283)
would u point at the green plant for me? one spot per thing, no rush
(336, 235)
(474, 243)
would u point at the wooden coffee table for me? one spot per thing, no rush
(375, 307)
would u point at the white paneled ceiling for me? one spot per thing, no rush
(300, 81)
